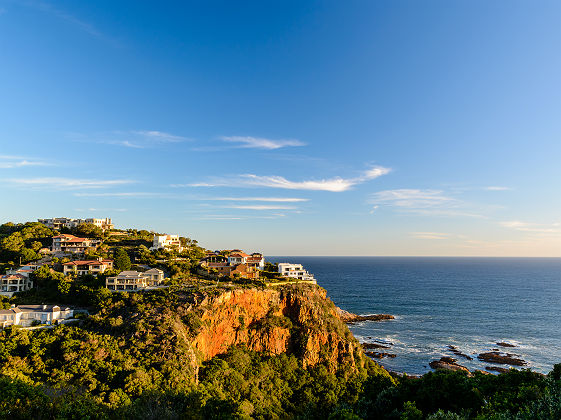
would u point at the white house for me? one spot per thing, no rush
(132, 281)
(166, 242)
(24, 315)
(237, 257)
(295, 271)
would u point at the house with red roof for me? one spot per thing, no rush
(87, 266)
(71, 243)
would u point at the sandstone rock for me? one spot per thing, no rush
(501, 358)
(457, 352)
(444, 364)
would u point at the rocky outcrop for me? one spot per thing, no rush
(350, 318)
(501, 358)
(448, 363)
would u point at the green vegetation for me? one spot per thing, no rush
(20, 243)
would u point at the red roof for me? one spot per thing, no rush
(239, 254)
(65, 235)
(87, 262)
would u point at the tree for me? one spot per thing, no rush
(89, 230)
(122, 261)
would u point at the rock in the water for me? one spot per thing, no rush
(457, 352)
(503, 344)
(374, 346)
(378, 355)
(445, 364)
(497, 369)
(501, 358)
(349, 317)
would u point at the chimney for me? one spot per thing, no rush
(44, 307)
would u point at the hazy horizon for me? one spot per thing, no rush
(298, 128)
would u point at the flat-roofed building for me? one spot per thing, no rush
(166, 242)
(295, 271)
(65, 222)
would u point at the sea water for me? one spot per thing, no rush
(470, 303)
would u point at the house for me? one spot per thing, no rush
(132, 281)
(25, 315)
(60, 222)
(237, 263)
(87, 266)
(256, 260)
(166, 242)
(25, 270)
(237, 257)
(295, 271)
(71, 243)
(14, 283)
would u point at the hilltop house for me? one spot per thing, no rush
(87, 266)
(132, 281)
(166, 242)
(295, 271)
(71, 243)
(25, 315)
(60, 222)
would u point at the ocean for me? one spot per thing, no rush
(470, 303)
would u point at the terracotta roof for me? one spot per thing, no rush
(65, 235)
(239, 254)
(89, 262)
(13, 276)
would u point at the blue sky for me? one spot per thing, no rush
(294, 128)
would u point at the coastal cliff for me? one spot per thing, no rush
(294, 319)
(180, 330)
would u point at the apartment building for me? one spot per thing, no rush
(73, 244)
(133, 281)
(25, 315)
(14, 283)
(87, 266)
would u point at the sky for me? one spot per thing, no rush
(401, 128)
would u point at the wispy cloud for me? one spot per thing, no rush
(135, 139)
(8, 162)
(425, 202)
(497, 188)
(138, 194)
(532, 227)
(430, 235)
(260, 207)
(69, 183)
(264, 199)
(69, 18)
(332, 184)
(261, 143)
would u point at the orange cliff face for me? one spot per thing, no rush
(295, 319)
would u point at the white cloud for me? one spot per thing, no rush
(531, 227)
(413, 198)
(69, 182)
(265, 199)
(135, 139)
(426, 202)
(429, 235)
(498, 188)
(332, 184)
(8, 162)
(261, 143)
(259, 207)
